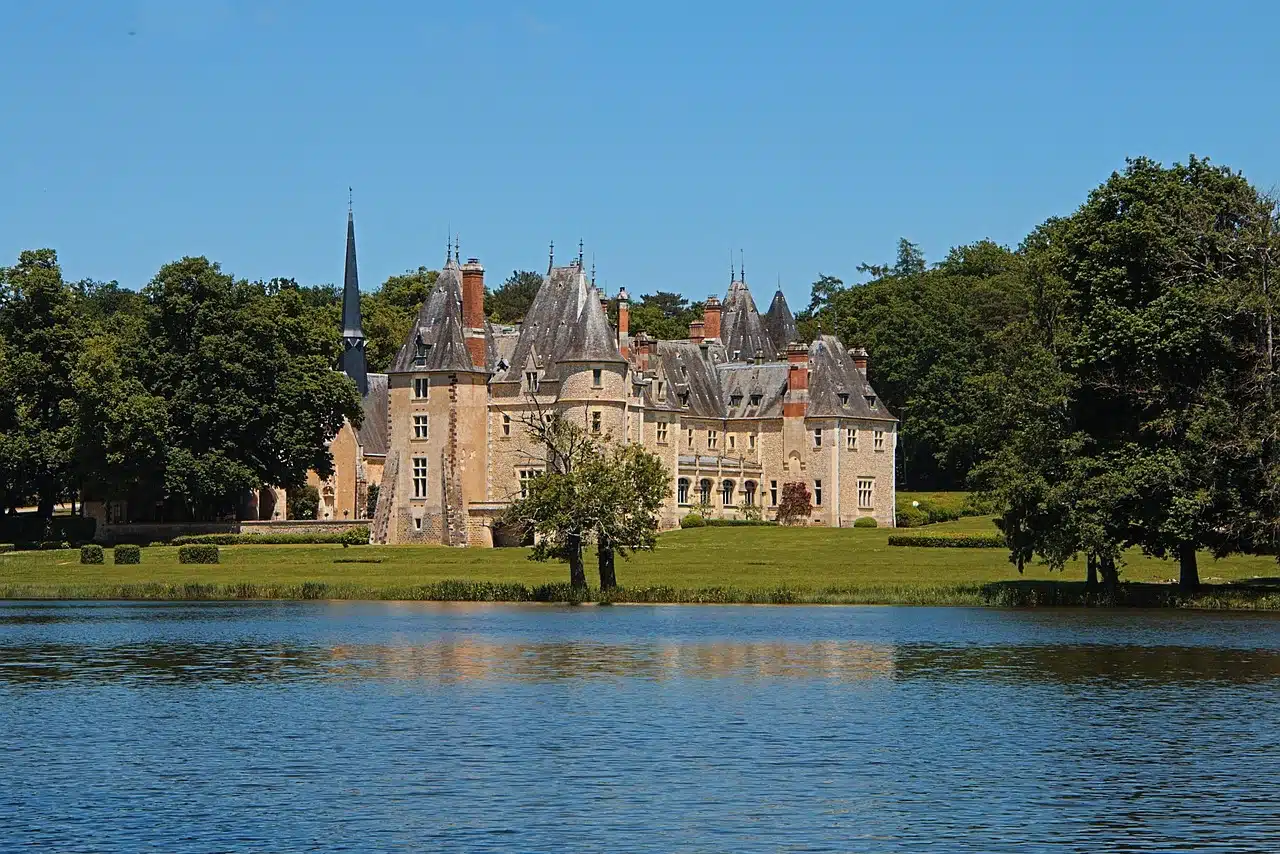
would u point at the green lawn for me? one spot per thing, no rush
(743, 564)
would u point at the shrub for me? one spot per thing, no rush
(752, 513)
(949, 541)
(796, 504)
(91, 554)
(357, 536)
(123, 554)
(31, 528)
(198, 554)
(911, 517)
(302, 502)
(865, 522)
(736, 523)
(6, 547)
(54, 545)
(935, 513)
(693, 520)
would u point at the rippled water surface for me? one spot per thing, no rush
(389, 727)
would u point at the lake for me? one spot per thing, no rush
(433, 727)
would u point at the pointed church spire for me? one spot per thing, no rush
(353, 360)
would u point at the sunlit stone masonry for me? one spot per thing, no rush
(736, 410)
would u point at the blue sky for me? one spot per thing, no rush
(811, 135)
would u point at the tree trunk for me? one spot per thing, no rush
(1188, 572)
(604, 556)
(1091, 578)
(577, 572)
(1110, 575)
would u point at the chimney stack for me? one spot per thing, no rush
(473, 311)
(644, 347)
(796, 401)
(696, 331)
(624, 323)
(860, 360)
(711, 318)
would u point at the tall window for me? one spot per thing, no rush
(866, 493)
(817, 438)
(506, 424)
(526, 477)
(419, 426)
(749, 493)
(733, 440)
(662, 390)
(773, 493)
(851, 438)
(690, 437)
(879, 440)
(817, 493)
(597, 421)
(597, 378)
(531, 381)
(662, 432)
(421, 387)
(751, 441)
(704, 491)
(713, 438)
(682, 491)
(726, 493)
(419, 477)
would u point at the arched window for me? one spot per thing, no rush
(749, 493)
(704, 490)
(726, 493)
(682, 491)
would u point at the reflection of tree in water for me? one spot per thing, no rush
(1083, 663)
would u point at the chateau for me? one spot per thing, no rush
(735, 410)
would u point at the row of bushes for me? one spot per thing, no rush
(357, 536)
(30, 529)
(121, 554)
(948, 541)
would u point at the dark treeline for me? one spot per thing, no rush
(1110, 383)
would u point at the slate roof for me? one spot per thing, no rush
(565, 322)
(741, 330)
(780, 323)
(373, 430)
(832, 374)
(753, 391)
(439, 325)
(690, 370)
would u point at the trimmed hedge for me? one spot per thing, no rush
(126, 554)
(30, 528)
(736, 523)
(693, 520)
(948, 541)
(198, 554)
(6, 547)
(865, 522)
(91, 554)
(357, 536)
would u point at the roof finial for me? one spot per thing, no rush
(448, 245)
(551, 257)
(593, 269)
(733, 274)
(457, 248)
(350, 197)
(742, 267)
(579, 253)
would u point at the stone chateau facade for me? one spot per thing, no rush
(735, 410)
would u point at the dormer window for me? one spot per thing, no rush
(871, 400)
(531, 382)
(756, 398)
(844, 398)
(684, 398)
(662, 390)
(419, 352)
(735, 399)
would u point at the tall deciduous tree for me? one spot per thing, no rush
(511, 301)
(388, 314)
(41, 325)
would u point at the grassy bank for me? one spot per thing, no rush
(749, 565)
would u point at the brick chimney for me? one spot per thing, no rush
(644, 347)
(473, 311)
(711, 318)
(860, 360)
(796, 401)
(624, 323)
(696, 331)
